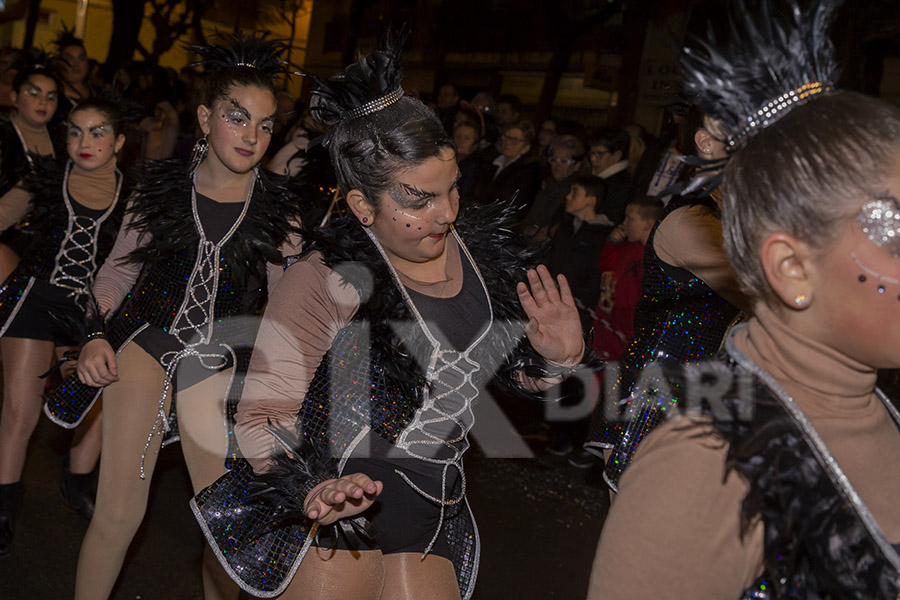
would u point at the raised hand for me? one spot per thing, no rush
(339, 498)
(554, 328)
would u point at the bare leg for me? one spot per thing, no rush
(337, 575)
(130, 408)
(201, 423)
(23, 361)
(408, 577)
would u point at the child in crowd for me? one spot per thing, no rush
(621, 268)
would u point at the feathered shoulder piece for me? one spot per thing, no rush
(242, 50)
(366, 86)
(66, 37)
(776, 60)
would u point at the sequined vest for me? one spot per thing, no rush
(678, 319)
(820, 541)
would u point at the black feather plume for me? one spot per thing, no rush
(769, 54)
(373, 76)
(33, 60)
(66, 37)
(243, 49)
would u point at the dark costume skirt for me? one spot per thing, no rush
(45, 313)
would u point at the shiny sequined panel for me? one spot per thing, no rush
(679, 319)
(259, 555)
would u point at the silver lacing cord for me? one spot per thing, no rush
(200, 298)
(77, 274)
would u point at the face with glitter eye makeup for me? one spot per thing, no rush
(414, 217)
(91, 141)
(857, 287)
(239, 127)
(36, 100)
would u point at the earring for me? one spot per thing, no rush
(365, 219)
(201, 147)
(801, 300)
(707, 151)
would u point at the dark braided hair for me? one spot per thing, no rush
(368, 152)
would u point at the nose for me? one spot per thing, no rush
(250, 136)
(447, 209)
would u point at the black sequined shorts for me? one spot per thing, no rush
(401, 519)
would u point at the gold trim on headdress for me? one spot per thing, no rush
(775, 109)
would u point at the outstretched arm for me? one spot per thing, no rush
(554, 328)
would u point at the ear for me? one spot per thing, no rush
(617, 156)
(788, 266)
(120, 142)
(702, 140)
(526, 150)
(361, 207)
(203, 114)
(14, 97)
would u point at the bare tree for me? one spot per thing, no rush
(285, 11)
(171, 19)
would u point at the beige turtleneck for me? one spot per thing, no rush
(92, 189)
(673, 530)
(37, 139)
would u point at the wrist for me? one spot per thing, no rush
(570, 361)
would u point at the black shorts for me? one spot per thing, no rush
(47, 313)
(401, 519)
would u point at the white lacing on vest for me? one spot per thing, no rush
(439, 431)
(193, 323)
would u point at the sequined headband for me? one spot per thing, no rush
(245, 64)
(775, 109)
(375, 105)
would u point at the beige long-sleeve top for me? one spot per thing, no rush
(673, 531)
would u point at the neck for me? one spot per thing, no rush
(220, 183)
(588, 214)
(25, 124)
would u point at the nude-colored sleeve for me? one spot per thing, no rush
(305, 311)
(117, 275)
(691, 238)
(13, 206)
(673, 530)
(290, 247)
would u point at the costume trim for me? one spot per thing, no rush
(18, 306)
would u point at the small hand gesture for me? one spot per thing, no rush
(339, 498)
(554, 328)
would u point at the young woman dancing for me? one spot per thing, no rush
(373, 348)
(77, 206)
(777, 486)
(199, 243)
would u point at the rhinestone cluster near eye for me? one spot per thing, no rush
(880, 221)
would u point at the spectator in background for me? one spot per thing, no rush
(566, 155)
(73, 71)
(621, 271)
(509, 110)
(513, 172)
(609, 161)
(8, 58)
(467, 138)
(448, 105)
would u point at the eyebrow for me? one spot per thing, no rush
(96, 127)
(415, 192)
(237, 106)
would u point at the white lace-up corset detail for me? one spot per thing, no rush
(439, 431)
(76, 261)
(193, 323)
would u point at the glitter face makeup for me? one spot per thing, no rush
(416, 213)
(37, 100)
(239, 127)
(91, 140)
(880, 220)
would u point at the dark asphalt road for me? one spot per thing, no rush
(539, 521)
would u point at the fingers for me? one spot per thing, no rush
(356, 489)
(565, 292)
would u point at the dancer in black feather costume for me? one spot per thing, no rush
(373, 350)
(781, 481)
(200, 244)
(77, 206)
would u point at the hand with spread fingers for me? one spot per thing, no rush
(554, 328)
(340, 498)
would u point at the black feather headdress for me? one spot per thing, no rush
(66, 37)
(773, 63)
(33, 60)
(375, 76)
(242, 50)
